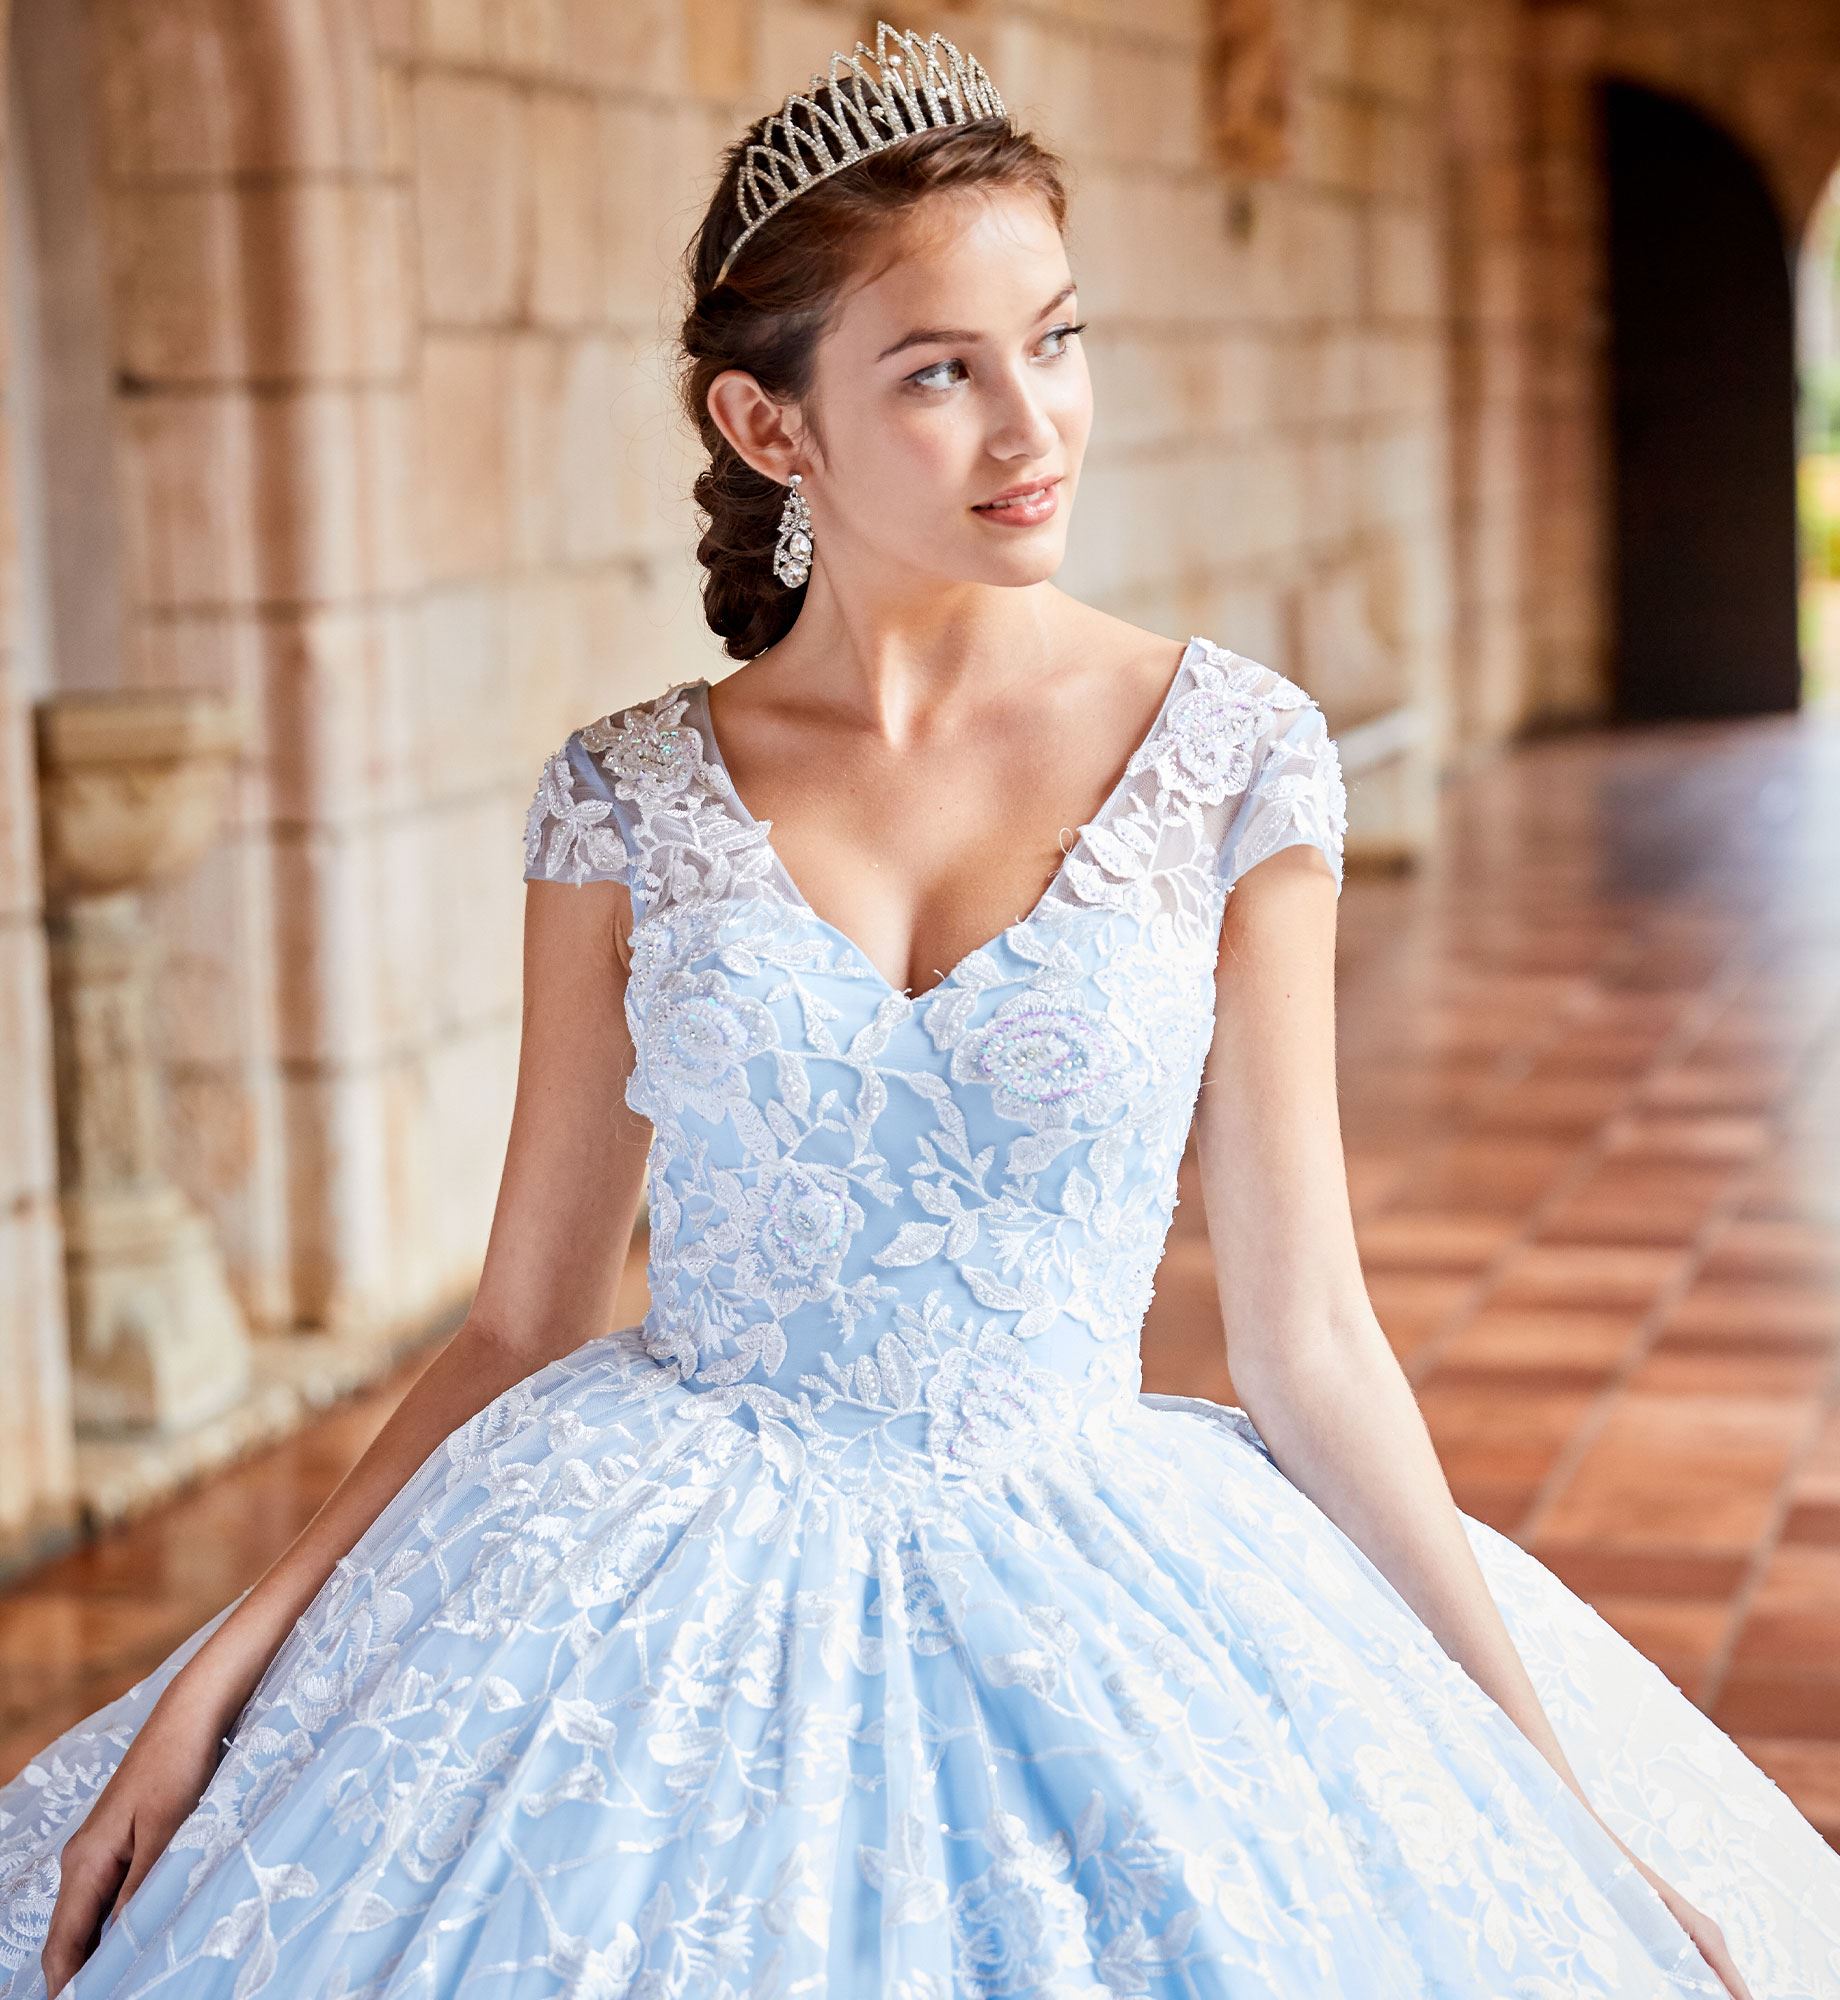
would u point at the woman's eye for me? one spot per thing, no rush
(925, 378)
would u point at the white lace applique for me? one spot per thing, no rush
(566, 838)
(776, 1060)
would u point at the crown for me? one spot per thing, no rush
(915, 85)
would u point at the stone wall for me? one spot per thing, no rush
(37, 1465)
(388, 457)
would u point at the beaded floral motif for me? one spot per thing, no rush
(1049, 1061)
(696, 1039)
(651, 755)
(987, 1402)
(566, 838)
(1206, 753)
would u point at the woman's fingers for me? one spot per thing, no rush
(1706, 1934)
(1702, 1929)
(1711, 1941)
(148, 1847)
(91, 1869)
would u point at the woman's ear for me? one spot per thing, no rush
(754, 424)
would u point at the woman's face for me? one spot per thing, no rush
(948, 378)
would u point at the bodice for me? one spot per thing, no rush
(895, 1223)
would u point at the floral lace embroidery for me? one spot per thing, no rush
(770, 1056)
(566, 838)
(854, 1624)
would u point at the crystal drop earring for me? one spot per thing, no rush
(792, 553)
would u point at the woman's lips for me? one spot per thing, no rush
(1026, 508)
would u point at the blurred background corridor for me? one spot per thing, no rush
(1476, 363)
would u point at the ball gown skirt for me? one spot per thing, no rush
(855, 1625)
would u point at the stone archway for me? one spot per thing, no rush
(1701, 417)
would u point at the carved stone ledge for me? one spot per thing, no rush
(132, 784)
(293, 1379)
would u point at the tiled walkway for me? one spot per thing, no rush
(1591, 1089)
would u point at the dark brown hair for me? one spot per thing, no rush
(768, 316)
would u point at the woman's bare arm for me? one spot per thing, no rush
(568, 1197)
(1310, 1361)
(567, 1201)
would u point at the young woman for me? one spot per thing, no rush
(853, 1625)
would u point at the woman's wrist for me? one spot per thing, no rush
(1623, 1848)
(1577, 1790)
(225, 1671)
(210, 1689)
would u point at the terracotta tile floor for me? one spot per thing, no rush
(1590, 1077)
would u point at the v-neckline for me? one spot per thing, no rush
(713, 750)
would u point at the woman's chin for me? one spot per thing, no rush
(1025, 558)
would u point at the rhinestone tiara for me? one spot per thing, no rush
(922, 82)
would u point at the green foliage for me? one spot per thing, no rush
(1819, 417)
(1817, 487)
(1817, 490)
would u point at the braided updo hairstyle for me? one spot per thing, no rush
(768, 316)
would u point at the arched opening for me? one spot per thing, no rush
(1701, 418)
(1817, 327)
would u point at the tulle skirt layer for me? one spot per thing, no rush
(617, 1698)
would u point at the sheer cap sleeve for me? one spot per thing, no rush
(1294, 793)
(576, 828)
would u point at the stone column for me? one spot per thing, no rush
(131, 787)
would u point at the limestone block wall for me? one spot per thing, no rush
(257, 233)
(37, 1458)
(1272, 454)
(1564, 441)
(1492, 378)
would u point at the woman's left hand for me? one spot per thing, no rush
(1697, 1925)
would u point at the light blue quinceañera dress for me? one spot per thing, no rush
(854, 1627)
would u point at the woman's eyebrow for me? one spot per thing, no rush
(923, 336)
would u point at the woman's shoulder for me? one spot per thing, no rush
(1250, 678)
(640, 719)
(1213, 665)
(580, 821)
(1266, 738)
